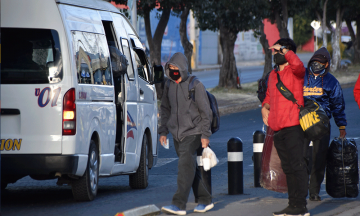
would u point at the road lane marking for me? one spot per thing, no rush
(164, 161)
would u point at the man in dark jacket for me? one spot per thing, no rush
(189, 123)
(282, 116)
(324, 88)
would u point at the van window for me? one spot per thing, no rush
(30, 56)
(92, 58)
(126, 48)
(141, 64)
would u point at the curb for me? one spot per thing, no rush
(147, 210)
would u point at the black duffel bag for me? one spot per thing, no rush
(313, 120)
(342, 172)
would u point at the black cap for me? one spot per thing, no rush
(320, 58)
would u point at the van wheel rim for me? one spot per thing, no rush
(93, 171)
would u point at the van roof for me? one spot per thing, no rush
(96, 4)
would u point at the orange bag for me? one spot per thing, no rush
(272, 176)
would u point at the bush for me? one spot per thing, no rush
(302, 29)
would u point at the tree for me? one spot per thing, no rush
(278, 11)
(230, 17)
(336, 12)
(281, 10)
(268, 53)
(302, 28)
(319, 8)
(353, 14)
(183, 10)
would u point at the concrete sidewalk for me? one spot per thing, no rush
(260, 202)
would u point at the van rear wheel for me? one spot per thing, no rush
(85, 188)
(3, 185)
(139, 180)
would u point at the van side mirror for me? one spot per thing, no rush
(119, 63)
(158, 74)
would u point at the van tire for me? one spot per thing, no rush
(139, 180)
(85, 188)
(3, 185)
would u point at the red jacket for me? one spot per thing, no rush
(357, 91)
(283, 113)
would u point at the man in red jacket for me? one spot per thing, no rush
(282, 115)
(357, 91)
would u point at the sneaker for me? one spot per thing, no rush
(293, 211)
(173, 209)
(203, 208)
(314, 197)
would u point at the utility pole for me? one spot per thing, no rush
(134, 14)
(193, 41)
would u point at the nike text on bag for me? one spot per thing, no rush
(312, 117)
(215, 123)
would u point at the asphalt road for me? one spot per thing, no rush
(210, 78)
(30, 197)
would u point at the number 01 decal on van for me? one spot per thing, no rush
(47, 93)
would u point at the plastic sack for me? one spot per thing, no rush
(209, 159)
(342, 172)
(272, 176)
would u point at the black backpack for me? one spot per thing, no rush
(262, 87)
(215, 123)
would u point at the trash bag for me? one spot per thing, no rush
(272, 176)
(209, 159)
(342, 172)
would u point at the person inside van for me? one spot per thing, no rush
(25, 56)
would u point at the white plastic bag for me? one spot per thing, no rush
(209, 159)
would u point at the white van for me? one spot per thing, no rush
(65, 112)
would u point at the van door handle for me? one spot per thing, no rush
(141, 92)
(10, 112)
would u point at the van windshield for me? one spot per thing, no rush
(30, 56)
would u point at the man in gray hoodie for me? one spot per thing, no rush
(189, 123)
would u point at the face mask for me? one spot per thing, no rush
(317, 67)
(174, 74)
(279, 59)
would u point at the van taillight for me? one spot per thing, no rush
(69, 113)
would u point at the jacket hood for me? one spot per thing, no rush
(320, 55)
(179, 60)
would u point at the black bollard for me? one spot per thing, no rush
(258, 143)
(205, 175)
(235, 166)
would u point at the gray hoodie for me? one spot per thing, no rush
(180, 114)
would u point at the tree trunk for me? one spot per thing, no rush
(155, 42)
(323, 25)
(335, 41)
(282, 23)
(355, 39)
(188, 47)
(268, 54)
(228, 72)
